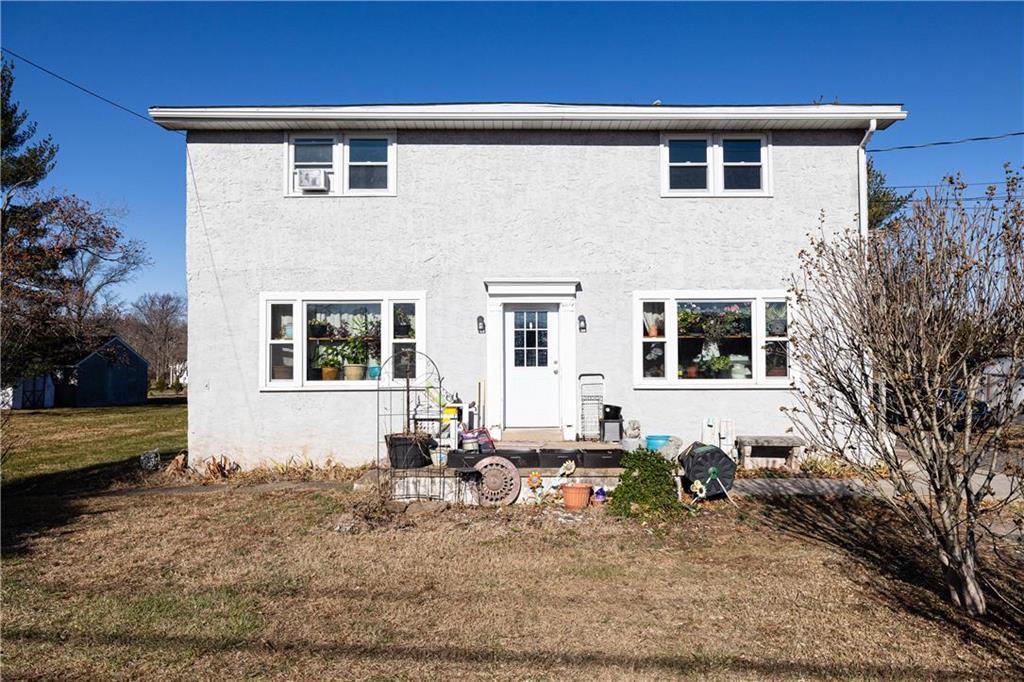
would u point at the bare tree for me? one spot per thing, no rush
(156, 327)
(893, 335)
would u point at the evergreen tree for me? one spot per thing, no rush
(883, 202)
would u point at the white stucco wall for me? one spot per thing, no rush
(471, 206)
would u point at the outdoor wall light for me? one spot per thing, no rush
(583, 324)
(481, 326)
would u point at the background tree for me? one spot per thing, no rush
(156, 327)
(883, 202)
(894, 349)
(60, 255)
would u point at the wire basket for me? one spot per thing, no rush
(591, 391)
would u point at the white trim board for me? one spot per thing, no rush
(524, 290)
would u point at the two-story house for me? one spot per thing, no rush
(517, 245)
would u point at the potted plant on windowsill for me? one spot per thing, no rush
(355, 353)
(721, 366)
(688, 321)
(331, 360)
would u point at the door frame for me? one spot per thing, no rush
(560, 291)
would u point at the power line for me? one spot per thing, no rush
(86, 90)
(942, 183)
(943, 143)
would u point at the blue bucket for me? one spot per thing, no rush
(655, 442)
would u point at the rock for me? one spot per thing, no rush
(367, 481)
(345, 527)
(417, 507)
(396, 506)
(150, 460)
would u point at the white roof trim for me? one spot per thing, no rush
(532, 286)
(575, 116)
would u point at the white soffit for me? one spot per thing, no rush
(529, 116)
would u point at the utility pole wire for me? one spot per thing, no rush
(87, 91)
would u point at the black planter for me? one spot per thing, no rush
(602, 459)
(409, 452)
(553, 459)
(465, 459)
(612, 411)
(522, 459)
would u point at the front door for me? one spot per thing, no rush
(531, 366)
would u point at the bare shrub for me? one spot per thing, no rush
(893, 335)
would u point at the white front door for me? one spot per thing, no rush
(531, 365)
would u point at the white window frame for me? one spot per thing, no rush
(767, 337)
(392, 171)
(338, 186)
(299, 299)
(666, 165)
(716, 165)
(671, 297)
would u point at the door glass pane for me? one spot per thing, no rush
(530, 338)
(688, 177)
(775, 323)
(368, 151)
(281, 321)
(318, 151)
(742, 151)
(687, 151)
(405, 320)
(282, 362)
(368, 177)
(654, 319)
(742, 177)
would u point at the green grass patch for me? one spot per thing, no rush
(65, 439)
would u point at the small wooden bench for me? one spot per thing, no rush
(746, 444)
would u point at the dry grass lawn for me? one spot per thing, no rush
(248, 582)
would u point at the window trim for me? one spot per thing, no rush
(371, 135)
(299, 299)
(671, 380)
(666, 166)
(716, 165)
(339, 164)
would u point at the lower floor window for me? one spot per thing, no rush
(317, 339)
(711, 336)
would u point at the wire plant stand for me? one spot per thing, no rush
(410, 399)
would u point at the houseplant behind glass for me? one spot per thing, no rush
(331, 360)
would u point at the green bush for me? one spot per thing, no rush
(177, 386)
(647, 486)
(160, 385)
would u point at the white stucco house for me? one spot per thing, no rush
(518, 245)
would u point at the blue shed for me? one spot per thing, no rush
(112, 374)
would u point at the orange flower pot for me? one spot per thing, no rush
(576, 495)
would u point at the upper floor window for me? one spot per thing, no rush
(715, 165)
(340, 164)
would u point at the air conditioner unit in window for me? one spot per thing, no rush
(311, 179)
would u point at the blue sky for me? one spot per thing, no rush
(958, 68)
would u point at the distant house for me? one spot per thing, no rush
(111, 374)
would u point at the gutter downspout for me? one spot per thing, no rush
(862, 176)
